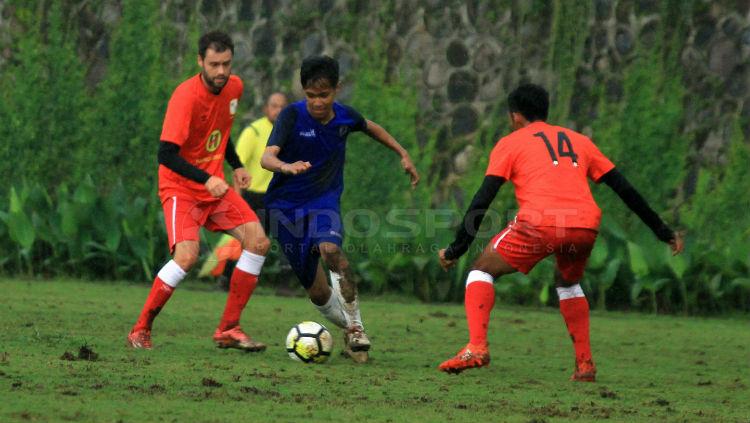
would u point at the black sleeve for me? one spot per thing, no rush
(360, 124)
(473, 217)
(283, 128)
(169, 156)
(615, 180)
(231, 155)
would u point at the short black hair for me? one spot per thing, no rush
(215, 40)
(318, 69)
(530, 100)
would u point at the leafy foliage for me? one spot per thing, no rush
(82, 198)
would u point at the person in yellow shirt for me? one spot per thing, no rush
(250, 148)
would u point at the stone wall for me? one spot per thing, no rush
(465, 56)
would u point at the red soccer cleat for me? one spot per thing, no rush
(236, 338)
(139, 339)
(585, 372)
(469, 357)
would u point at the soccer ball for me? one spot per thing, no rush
(309, 342)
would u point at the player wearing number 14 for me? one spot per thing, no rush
(549, 166)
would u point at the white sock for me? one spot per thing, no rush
(352, 314)
(568, 292)
(351, 310)
(171, 274)
(479, 276)
(250, 262)
(332, 311)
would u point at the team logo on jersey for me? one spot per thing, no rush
(214, 141)
(343, 131)
(233, 106)
(307, 134)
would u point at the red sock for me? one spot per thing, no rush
(160, 293)
(479, 300)
(575, 311)
(241, 287)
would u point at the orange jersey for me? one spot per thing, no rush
(548, 166)
(199, 122)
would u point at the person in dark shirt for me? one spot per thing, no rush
(306, 152)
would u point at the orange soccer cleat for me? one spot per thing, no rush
(236, 338)
(469, 357)
(585, 372)
(139, 339)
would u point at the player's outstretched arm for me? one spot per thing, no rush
(635, 202)
(379, 134)
(270, 161)
(471, 222)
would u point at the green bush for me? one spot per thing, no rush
(94, 213)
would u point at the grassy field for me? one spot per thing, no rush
(650, 368)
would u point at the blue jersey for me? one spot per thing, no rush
(302, 138)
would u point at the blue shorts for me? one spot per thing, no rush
(300, 236)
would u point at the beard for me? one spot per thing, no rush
(215, 85)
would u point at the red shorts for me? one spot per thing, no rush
(184, 216)
(523, 246)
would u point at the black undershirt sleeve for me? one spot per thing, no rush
(169, 157)
(474, 216)
(231, 155)
(615, 180)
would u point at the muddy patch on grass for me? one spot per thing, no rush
(252, 390)
(87, 353)
(661, 402)
(606, 393)
(68, 356)
(150, 390)
(84, 353)
(591, 409)
(211, 383)
(157, 389)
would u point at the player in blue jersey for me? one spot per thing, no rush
(306, 152)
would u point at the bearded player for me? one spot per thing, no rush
(194, 144)
(549, 166)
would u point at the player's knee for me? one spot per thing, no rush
(186, 260)
(329, 252)
(480, 265)
(259, 246)
(318, 295)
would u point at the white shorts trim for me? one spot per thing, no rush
(174, 215)
(494, 247)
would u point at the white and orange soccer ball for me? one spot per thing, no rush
(309, 342)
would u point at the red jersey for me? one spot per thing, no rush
(199, 122)
(548, 166)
